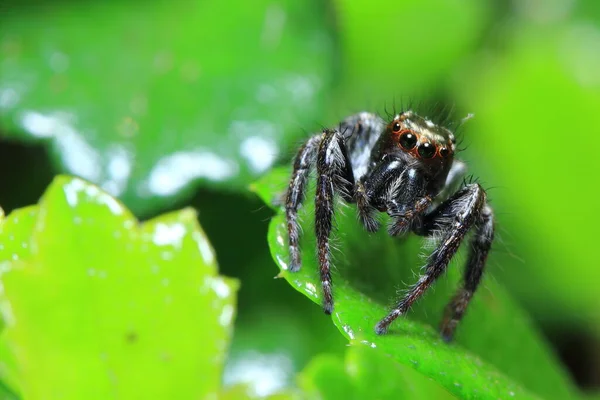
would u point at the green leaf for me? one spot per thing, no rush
(242, 392)
(497, 353)
(149, 101)
(366, 373)
(546, 195)
(272, 341)
(6, 393)
(99, 306)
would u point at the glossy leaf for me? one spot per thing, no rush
(97, 305)
(366, 373)
(150, 99)
(497, 353)
(273, 340)
(15, 235)
(246, 392)
(6, 393)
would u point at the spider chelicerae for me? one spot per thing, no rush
(407, 169)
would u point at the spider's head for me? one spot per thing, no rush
(422, 138)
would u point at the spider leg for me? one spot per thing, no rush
(366, 212)
(295, 196)
(361, 132)
(332, 169)
(479, 248)
(464, 209)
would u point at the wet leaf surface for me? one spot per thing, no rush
(97, 305)
(150, 100)
(497, 353)
(277, 332)
(366, 373)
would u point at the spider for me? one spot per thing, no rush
(407, 169)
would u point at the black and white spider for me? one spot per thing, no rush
(407, 169)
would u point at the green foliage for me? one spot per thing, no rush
(148, 100)
(382, 43)
(494, 334)
(153, 100)
(98, 306)
(546, 227)
(366, 373)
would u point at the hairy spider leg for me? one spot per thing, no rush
(333, 170)
(361, 132)
(466, 206)
(366, 212)
(303, 163)
(479, 248)
(358, 128)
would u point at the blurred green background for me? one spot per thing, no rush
(173, 103)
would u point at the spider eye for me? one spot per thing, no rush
(396, 127)
(444, 152)
(426, 150)
(408, 140)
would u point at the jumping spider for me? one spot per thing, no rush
(407, 169)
